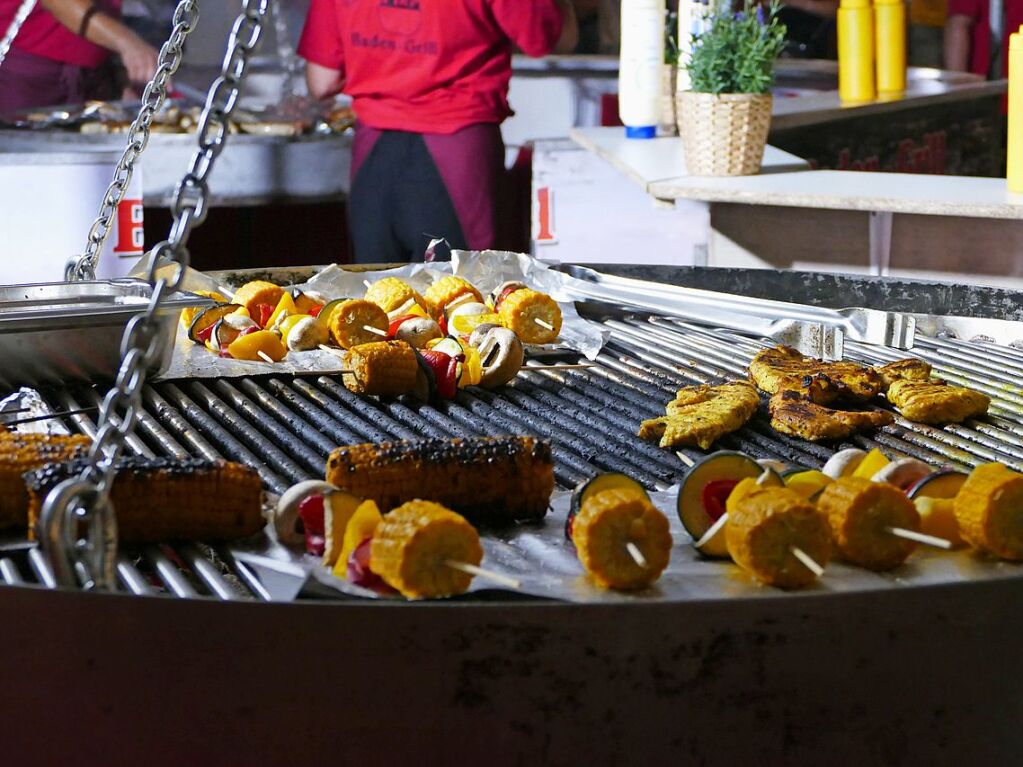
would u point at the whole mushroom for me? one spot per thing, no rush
(501, 354)
(417, 331)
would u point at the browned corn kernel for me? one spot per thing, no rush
(489, 480)
(411, 546)
(349, 321)
(391, 293)
(610, 520)
(164, 499)
(251, 294)
(384, 369)
(447, 289)
(527, 313)
(20, 453)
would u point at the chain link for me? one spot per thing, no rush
(20, 15)
(141, 344)
(186, 16)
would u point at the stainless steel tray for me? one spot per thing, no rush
(54, 332)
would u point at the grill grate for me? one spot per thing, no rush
(285, 427)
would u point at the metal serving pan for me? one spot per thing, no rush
(55, 332)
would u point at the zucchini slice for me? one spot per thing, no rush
(208, 318)
(612, 480)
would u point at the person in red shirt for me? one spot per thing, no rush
(62, 44)
(968, 37)
(429, 84)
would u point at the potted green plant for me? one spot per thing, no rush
(669, 77)
(725, 116)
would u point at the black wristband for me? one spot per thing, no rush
(86, 18)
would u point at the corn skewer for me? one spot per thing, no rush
(543, 324)
(807, 561)
(724, 517)
(636, 554)
(265, 357)
(376, 331)
(480, 572)
(927, 540)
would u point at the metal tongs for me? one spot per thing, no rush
(812, 330)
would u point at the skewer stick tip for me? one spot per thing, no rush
(927, 540)
(685, 459)
(265, 357)
(636, 554)
(543, 324)
(807, 561)
(367, 283)
(489, 575)
(722, 520)
(375, 331)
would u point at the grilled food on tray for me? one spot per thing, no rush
(794, 413)
(783, 368)
(903, 370)
(446, 291)
(20, 453)
(396, 297)
(936, 403)
(164, 499)
(383, 368)
(488, 480)
(989, 510)
(353, 322)
(533, 316)
(700, 415)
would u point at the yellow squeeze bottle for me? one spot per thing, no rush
(856, 52)
(890, 36)
(1014, 172)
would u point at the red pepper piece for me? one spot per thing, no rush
(263, 313)
(442, 322)
(504, 294)
(310, 511)
(392, 329)
(714, 496)
(359, 572)
(315, 311)
(206, 333)
(445, 371)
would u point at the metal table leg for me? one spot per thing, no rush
(880, 242)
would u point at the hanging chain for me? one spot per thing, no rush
(15, 26)
(87, 498)
(186, 15)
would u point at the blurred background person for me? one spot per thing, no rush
(977, 35)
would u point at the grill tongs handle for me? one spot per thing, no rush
(813, 330)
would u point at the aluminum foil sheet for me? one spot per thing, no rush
(544, 562)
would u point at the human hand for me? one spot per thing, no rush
(139, 59)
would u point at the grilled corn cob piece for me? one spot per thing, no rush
(606, 523)
(190, 313)
(390, 293)
(488, 480)
(349, 321)
(763, 527)
(20, 453)
(447, 289)
(860, 513)
(411, 545)
(384, 368)
(527, 313)
(163, 499)
(989, 509)
(251, 294)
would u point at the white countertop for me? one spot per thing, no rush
(658, 165)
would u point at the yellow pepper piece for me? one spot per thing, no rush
(249, 346)
(472, 368)
(288, 323)
(871, 464)
(937, 518)
(361, 526)
(464, 324)
(286, 306)
(807, 483)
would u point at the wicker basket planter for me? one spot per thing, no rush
(724, 135)
(669, 113)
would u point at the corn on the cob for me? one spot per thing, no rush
(20, 453)
(489, 480)
(610, 520)
(384, 368)
(349, 321)
(447, 289)
(861, 514)
(391, 293)
(412, 544)
(190, 313)
(251, 294)
(763, 527)
(163, 499)
(527, 313)
(989, 509)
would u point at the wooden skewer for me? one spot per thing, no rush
(543, 324)
(927, 540)
(807, 561)
(61, 414)
(573, 366)
(685, 459)
(367, 283)
(377, 331)
(490, 575)
(636, 554)
(712, 531)
(332, 350)
(265, 357)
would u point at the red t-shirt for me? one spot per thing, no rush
(427, 66)
(44, 36)
(980, 48)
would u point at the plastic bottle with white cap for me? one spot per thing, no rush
(1014, 169)
(639, 73)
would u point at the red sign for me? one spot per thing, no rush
(131, 238)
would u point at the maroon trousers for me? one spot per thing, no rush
(28, 81)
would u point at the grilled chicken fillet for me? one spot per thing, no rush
(903, 370)
(936, 403)
(783, 368)
(700, 415)
(792, 412)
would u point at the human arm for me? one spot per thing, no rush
(139, 58)
(957, 42)
(826, 9)
(569, 28)
(323, 82)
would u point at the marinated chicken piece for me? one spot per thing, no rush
(793, 413)
(937, 403)
(903, 370)
(783, 368)
(700, 415)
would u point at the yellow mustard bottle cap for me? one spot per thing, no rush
(889, 2)
(854, 4)
(1016, 40)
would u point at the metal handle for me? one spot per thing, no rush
(88, 495)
